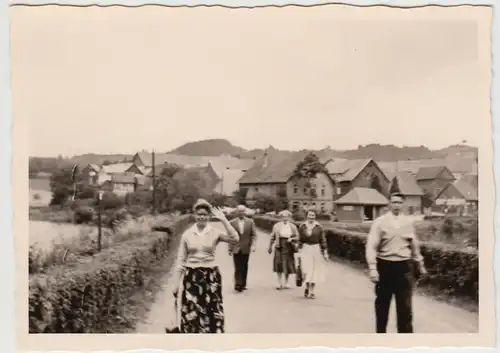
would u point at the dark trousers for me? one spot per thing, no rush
(240, 270)
(395, 278)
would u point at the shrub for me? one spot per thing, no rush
(452, 270)
(111, 201)
(91, 294)
(83, 215)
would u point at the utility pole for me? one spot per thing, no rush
(154, 181)
(99, 221)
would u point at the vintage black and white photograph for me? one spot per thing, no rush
(268, 170)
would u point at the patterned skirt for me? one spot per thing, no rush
(284, 257)
(201, 307)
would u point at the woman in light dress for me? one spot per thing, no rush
(313, 253)
(284, 237)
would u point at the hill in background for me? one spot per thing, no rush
(217, 147)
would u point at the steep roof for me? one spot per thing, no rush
(455, 165)
(471, 179)
(432, 172)
(195, 161)
(273, 168)
(467, 190)
(363, 196)
(116, 168)
(346, 169)
(407, 183)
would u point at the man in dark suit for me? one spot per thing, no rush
(241, 250)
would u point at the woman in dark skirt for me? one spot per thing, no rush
(197, 278)
(284, 237)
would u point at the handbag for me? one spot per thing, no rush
(299, 276)
(174, 326)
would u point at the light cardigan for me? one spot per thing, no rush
(392, 238)
(197, 249)
(277, 232)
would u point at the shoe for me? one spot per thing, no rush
(306, 292)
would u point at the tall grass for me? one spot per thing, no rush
(53, 244)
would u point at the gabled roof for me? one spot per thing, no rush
(432, 172)
(471, 179)
(273, 169)
(116, 168)
(407, 183)
(123, 178)
(466, 189)
(363, 196)
(455, 165)
(347, 169)
(195, 161)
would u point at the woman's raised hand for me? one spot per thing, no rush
(217, 213)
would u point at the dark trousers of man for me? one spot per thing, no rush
(396, 278)
(240, 270)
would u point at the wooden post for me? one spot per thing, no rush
(99, 221)
(154, 181)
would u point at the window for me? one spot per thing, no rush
(323, 190)
(322, 207)
(305, 190)
(295, 189)
(256, 189)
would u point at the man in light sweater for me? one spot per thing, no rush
(392, 250)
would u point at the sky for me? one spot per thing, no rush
(120, 80)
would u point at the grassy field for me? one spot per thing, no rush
(55, 243)
(39, 184)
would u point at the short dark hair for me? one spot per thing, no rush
(397, 194)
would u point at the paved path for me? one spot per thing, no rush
(343, 304)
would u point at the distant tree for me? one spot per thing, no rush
(394, 186)
(61, 186)
(107, 162)
(375, 183)
(308, 169)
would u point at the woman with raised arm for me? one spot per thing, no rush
(197, 279)
(284, 238)
(313, 253)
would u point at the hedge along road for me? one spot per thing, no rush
(344, 303)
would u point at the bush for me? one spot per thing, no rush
(91, 295)
(83, 215)
(111, 201)
(452, 271)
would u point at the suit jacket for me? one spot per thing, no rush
(247, 237)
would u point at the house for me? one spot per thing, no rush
(121, 183)
(360, 204)
(272, 175)
(90, 174)
(458, 165)
(145, 159)
(434, 179)
(458, 197)
(228, 182)
(348, 174)
(406, 184)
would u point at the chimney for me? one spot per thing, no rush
(266, 160)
